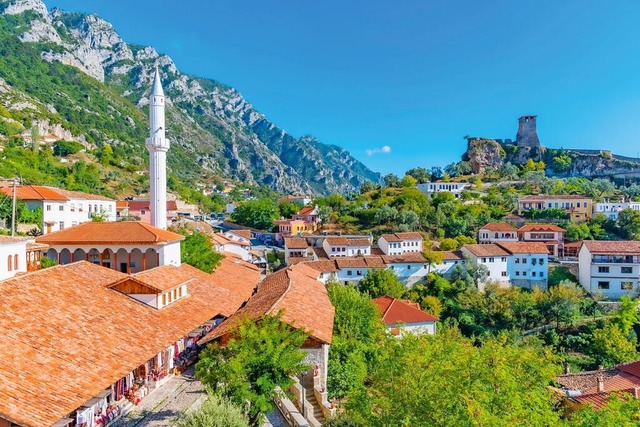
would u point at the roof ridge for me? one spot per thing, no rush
(286, 272)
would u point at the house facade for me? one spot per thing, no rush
(141, 210)
(612, 209)
(431, 188)
(344, 246)
(549, 234)
(63, 208)
(400, 243)
(579, 208)
(403, 316)
(494, 232)
(611, 268)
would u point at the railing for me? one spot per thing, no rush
(289, 411)
(613, 259)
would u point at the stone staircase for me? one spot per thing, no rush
(311, 398)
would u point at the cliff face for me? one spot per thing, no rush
(213, 128)
(483, 153)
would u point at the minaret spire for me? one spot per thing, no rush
(158, 146)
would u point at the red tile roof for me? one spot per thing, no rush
(554, 197)
(452, 256)
(399, 237)
(541, 228)
(407, 257)
(295, 243)
(122, 232)
(486, 250)
(343, 241)
(306, 210)
(598, 400)
(629, 247)
(498, 226)
(80, 195)
(524, 247)
(396, 311)
(70, 336)
(297, 294)
(344, 262)
(323, 266)
(33, 192)
(391, 238)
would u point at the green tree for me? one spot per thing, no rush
(577, 232)
(64, 148)
(448, 244)
(620, 411)
(420, 174)
(258, 214)
(611, 346)
(250, 378)
(629, 224)
(408, 181)
(287, 209)
(453, 382)
(380, 282)
(215, 412)
(197, 250)
(561, 303)
(562, 162)
(391, 180)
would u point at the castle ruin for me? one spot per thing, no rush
(527, 135)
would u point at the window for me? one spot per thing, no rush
(359, 273)
(408, 267)
(533, 273)
(503, 274)
(534, 261)
(180, 288)
(524, 273)
(626, 270)
(626, 286)
(517, 260)
(175, 294)
(61, 208)
(9, 264)
(484, 260)
(503, 259)
(517, 273)
(61, 225)
(603, 270)
(164, 299)
(349, 273)
(603, 285)
(142, 212)
(541, 261)
(333, 249)
(15, 262)
(524, 260)
(490, 259)
(48, 207)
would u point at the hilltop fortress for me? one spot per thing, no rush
(484, 153)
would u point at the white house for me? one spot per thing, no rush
(493, 257)
(430, 188)
(527, 264)
(62, 208)
(495, 232)
(223, 244)
(13, 256)
(449, 260)
(343, 246)
(400, 243)
(402, 316)
(609, 267)
(611, 210)
(127, 246)
(240, 235)
(297, 247)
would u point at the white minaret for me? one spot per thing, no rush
(158, 146)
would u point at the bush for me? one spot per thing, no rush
(64, 148)
(215, 412)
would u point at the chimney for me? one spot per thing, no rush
(600, 383)
(567, 368)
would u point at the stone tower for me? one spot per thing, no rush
(527, 135)
(158, 146)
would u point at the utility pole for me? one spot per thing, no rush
(13, 209)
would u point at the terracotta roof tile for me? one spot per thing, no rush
(630, 247)
(598, 400)
(396, 311)
(524, 247)
(407, 257)
(554, 197)
(295, 243)
(486, 250)
(306, 210)
(344, 241)
(498, 226)
(294, 291)
(80, 195)
(391, 238)
(93, 335)
(350, 262)
(452, 256)
(411, 235)
(541, 227)
(33, 192)
(323, 266)
(122, 232)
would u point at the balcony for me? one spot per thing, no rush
(615, 259)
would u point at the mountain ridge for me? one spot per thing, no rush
(216, 128)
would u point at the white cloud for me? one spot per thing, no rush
(383, 150)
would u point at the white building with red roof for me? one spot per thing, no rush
(400, 243)
(495, 232)
(126, 246)
(62, 208)
(610, 268)
(402, 316)
(339, 246)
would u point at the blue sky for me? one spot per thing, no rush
(415, 76)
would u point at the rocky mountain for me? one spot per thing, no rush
(213, 129)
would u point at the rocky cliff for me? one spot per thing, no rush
(213, 128)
